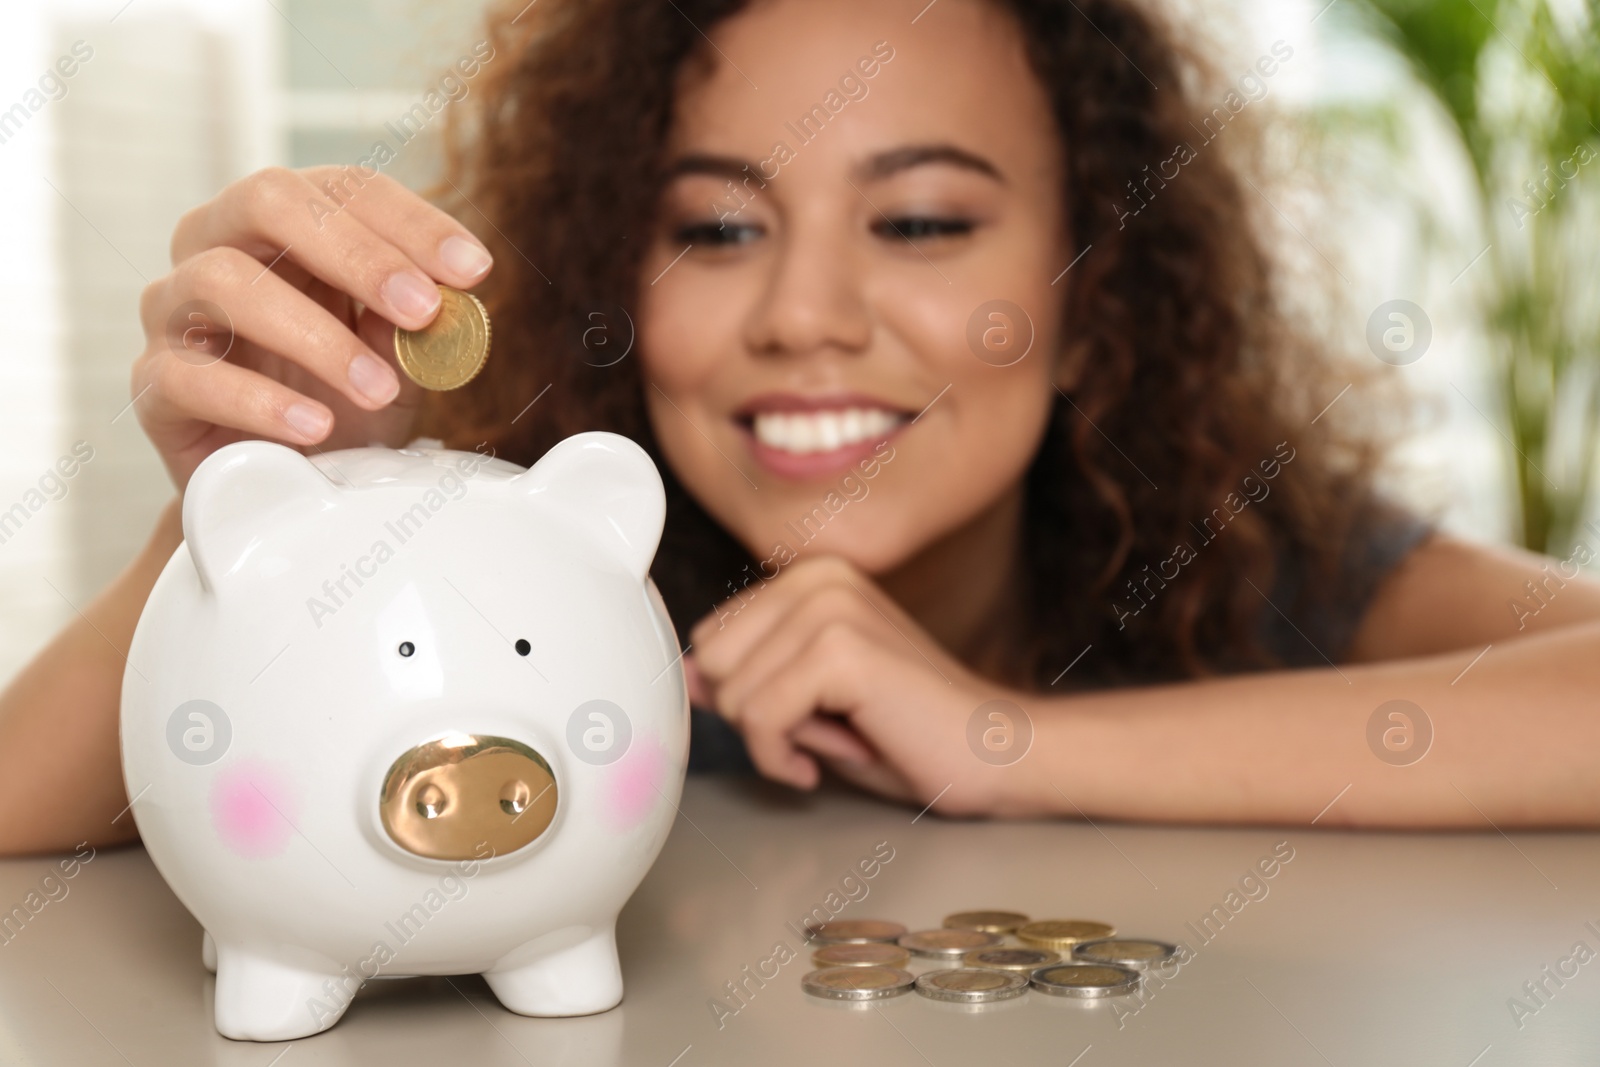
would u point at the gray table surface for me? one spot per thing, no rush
(1367, 948)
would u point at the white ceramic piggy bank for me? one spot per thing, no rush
(407, 713)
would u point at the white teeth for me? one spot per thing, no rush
(805, 432)
(830, 432)
(803, 435)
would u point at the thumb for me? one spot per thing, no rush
(699, 689)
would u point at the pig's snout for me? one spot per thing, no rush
(449, 798)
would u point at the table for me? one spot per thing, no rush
(1361, 949)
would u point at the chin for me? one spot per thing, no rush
(868, 543)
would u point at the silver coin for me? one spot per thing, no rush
(1085, 980)
(1133, 952)
(972, 985)
(854, 931)
(950, 943)
(857, 983)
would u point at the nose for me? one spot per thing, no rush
(811, 300)
(447, 798)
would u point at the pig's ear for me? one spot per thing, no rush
(238, 496)
(607, 486)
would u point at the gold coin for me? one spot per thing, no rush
(972, 986)
(861, 954)
(1061, 934)
(857, 983)
(449, 351)
(1135, 953)
(854, 930)
(949, 944)
(991, 922)
(1078, 980)
(1012, 959)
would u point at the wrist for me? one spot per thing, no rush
(1062, 772)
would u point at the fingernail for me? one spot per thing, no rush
(412, 295)
(464, 257)
(373, 379)
(307, 421)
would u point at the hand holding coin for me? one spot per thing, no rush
(291, 341)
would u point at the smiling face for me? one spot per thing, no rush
(849, 191)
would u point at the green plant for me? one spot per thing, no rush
(1520, 81)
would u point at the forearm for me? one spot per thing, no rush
(60, 762)
(1516, 742)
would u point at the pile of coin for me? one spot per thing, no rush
(989, 956)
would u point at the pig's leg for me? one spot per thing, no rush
(578, 980)
(208, 952)
(263, 999)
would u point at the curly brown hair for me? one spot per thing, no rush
(1189, 372)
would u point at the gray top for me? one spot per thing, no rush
(1316, 638)
(1312, 639)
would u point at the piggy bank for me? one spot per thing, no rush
(416, 712)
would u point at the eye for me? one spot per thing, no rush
(406, 648)
(717, 235)
(523, 648)
(922, 228)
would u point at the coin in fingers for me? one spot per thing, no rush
(449, 351)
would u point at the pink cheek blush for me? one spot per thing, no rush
(634, 784)
(251, 809)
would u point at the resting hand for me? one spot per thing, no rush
(819, 664)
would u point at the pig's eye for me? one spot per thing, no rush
(406, 648)
(523, 648)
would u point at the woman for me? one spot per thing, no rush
(961, 355)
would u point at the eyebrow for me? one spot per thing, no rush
(878, 167)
